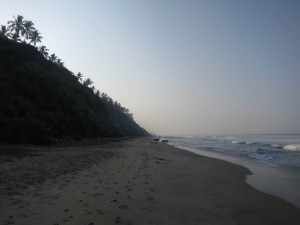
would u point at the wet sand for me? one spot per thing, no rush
(135, 181)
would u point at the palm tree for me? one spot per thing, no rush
(4, 32)
(35, 37)
(79, 76)
(15, 37)
(53, 57)
(88, 82)
(17, 26)
(98, 93)
(43, 50)
(28, 29)
(59, 62)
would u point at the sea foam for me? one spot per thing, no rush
(292, 147)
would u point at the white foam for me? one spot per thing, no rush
(292, 147)
(238, 142)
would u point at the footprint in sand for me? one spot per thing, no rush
(118, 220)
(123, 207)
(99, 211)
(151, 189)
(151, 198)
(115, 200)
(97, 194)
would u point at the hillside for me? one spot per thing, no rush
(42, 101)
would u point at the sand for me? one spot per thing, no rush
(130, 181)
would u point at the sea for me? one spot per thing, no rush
(274, 149)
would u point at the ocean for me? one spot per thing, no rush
(274, 149)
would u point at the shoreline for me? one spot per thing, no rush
(279, 181)
(141, 182)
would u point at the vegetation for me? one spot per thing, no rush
(42, 101)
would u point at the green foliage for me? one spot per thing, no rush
(41, 101)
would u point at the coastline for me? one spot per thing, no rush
(141, 182)
(279, 181)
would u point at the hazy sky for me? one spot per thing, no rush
(182, 67)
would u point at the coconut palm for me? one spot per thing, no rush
(87, 82)
(15, 37)
(4, 32)
(35, 37)
(59, 62)
(42, 49)
(53, 57)
(28, 29)
(79, 76)
(16, 26)
(98, 93)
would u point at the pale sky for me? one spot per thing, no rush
(182, 67)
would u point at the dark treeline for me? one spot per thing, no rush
(42, 101)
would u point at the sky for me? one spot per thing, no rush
(182, 67)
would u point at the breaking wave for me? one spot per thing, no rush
(292, 147)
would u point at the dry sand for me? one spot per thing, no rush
(134, 181)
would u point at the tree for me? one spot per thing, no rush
(35, 37)
(59, 62)
(4, 32)
(53, 57)
(93, 88)
(87, 82)
(79, 76)
(43, 50)
(28, 29)
(98, 93)
(15, 37)
(16, 26)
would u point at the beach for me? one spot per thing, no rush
(129, 181)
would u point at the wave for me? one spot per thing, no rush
(238, 142)
(276, 146)
(292, 147)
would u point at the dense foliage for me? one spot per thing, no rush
(41, 100)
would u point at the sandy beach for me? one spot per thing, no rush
(129, 181)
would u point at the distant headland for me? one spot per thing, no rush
(41, 101)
